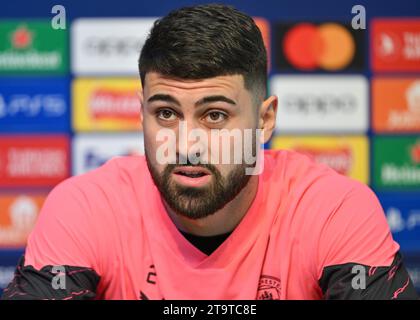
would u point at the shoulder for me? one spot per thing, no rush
(97, 190)
(336, 219)
(113, 175)
(300, 176)
(319, 197)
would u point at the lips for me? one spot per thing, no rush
(192, 176)
(192, 172)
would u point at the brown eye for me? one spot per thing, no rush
(166, 114)
(215, 117)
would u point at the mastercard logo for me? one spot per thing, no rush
(329, 46)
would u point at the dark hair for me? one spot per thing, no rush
(206, 41)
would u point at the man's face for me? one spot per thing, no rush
(185, 107)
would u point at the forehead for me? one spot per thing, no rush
(232, 85)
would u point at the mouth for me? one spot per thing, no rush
(192, 176)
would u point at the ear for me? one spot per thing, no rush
(267, 117)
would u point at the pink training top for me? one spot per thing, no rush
(304, 218)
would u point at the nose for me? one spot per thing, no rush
(192, 144)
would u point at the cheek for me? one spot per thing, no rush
(160, 147)
(149, 137)
(151, 155)
(232, 149)
(150, 143)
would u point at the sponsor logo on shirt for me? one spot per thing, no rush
(395, 44)
(396, 104)
(33, 161)
(396, 162)
(321, 103)
(90, 151)
(32, 47)
(327, 46)
(348, 155)
(34, 104)
(106, 104)
(18, 214)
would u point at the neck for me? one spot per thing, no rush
(223, 220)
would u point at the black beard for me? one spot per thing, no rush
(199, 202)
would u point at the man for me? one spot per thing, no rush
(178, 224)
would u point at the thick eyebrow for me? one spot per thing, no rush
(205, 100)
(217, 98)
(163, 97)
